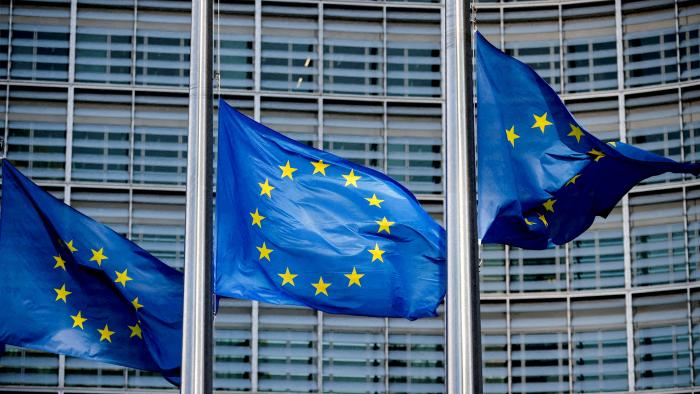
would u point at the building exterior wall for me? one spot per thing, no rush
(93, 104)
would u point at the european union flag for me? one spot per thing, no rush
(73, 286)
(299, 226)
(542, 178)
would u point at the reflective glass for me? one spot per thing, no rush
(25, 367)
(494, 345)
(232, 345)
(691, 123)
(236, 29)
(493, 269)
(537, 270)
(355, 131)
(296, 119)
(4, 38)
(158, 225)
(689, 38)
(693, 216)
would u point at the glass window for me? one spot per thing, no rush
(653, 124)
(693, 206)
(109, 207)
(163, 43)
(537, 270)
(158, 225)
(160, 138)
(649, 33)
(599, 343)
(355, 131)
(691, 124)
(353, 56)
(4, 38)
(661, 349)
(532, 36)
(417, 355)
(490, 25)
(657, 236)
(24, 367)
(89, 373)
(493, 268)
(242, 104)
(353, 354)
(37, 131)
(415, 146)
(287, 348)
(689, 38)
(413, 53)
(101, 134)
(289, 47)
(297, 119)
(232, 341)
(435, 209)
(695, 318)
(597, 255)
(235, 25)
(104, 41)
(40, 33)
(494, 345)
(600, 117)
(539, 346)
(590, 56)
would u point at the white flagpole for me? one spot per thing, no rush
(197, 316)
(463, 317)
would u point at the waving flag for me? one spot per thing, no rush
(542, 178)
(299, 226)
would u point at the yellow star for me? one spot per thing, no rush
(374, 201)
(511, 136)
(573, 180)
(135, 331)
(264, 252)
(59, 262)
(98, 256)
(321, 286)
(376, 253)
(541, 122)
(549, 205)
(287, 277)
(78, 320)
(320, 166)
(70, 246)
(105, 334)
(351, 178)
(136, 304)
(384, 225)
(529, 223)
(613, 144)
(122, 277)
(543, 220)
(62, 293)
(257, 218)
(287, 170)
(575, 132)
(265, 188)
(598, 154)
(354, 278)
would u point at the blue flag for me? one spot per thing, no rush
(295, 225)
(542, 178)
(73, 286)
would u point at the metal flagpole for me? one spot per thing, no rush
(197, 316)
(463, 317)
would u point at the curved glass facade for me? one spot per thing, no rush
(618, 309)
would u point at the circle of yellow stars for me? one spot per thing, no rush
(79, 321)
(351, 180)
(541, 123)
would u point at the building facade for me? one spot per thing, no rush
(93, 102)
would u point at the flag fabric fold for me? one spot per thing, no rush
(299, 226)
(542, 178)
(73, 286)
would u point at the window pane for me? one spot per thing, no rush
(493, 269)
(695, 316)
(24, 367)
(599, 342)
(296, 119)
(158, 225)
(101, 131)
(236, 27)
(109, 207)
(693, 206)
(691, 124)
(490, 25)
(289, 48)
(590, 57)
(163, 43)
(661, 348)
(40, 32)
(104, 43)
(355, 131)
(689, 36)
(413, 53)
(232, 339)
(649, 32)
(37, 132)
(415, 146)
(599, 116)
(537, 270)
(4, 38)
(658, 244)
(494, 345)
(352, 50)
(539, 345)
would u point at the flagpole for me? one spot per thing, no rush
(463, 315)
(197, 314)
